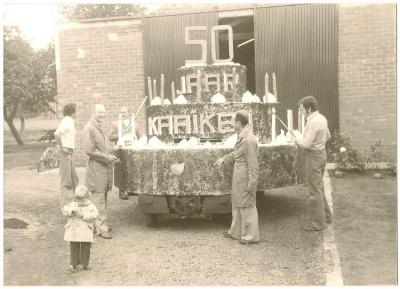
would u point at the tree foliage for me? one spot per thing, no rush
(86, 11)
(29, 78)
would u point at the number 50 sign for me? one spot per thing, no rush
(203, 44)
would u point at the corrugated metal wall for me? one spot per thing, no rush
(299, 44)
(164, 44)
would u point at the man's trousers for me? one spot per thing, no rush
(245, 223)
(100, 201)
(318, 209)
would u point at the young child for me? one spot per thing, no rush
(79, 228)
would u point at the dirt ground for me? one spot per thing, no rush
(177, 252)
(193, 251)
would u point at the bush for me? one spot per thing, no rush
(340, 150)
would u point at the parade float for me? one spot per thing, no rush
(172, 167)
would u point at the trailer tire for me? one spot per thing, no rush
(150, 219)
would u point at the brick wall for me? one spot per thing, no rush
(100, 62)
(367, 75)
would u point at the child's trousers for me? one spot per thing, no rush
(80, 253)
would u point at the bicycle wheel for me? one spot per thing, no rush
(54, 162)
(41, 165)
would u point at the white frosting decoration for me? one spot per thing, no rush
(180, 99)
(142, 141)
(256, 98)
(156, 142)
(193, 141)
(281, 139)
(247, 97)
(167, 102)
(271, 98)
(156, 100)
(231, 141)
(207, 144)
(218, 98)
(183, 143)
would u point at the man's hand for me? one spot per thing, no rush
(219, 162)
(112, 158)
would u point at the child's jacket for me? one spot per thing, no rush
(80, 229)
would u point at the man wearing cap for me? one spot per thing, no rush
(129, 133)
(244, 225)
(100, 167)
(316, 134)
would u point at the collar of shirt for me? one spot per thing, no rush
(312, 115)
(96, 123)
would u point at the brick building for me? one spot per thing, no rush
(352, 65)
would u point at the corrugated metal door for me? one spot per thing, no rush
(299, 44)
(164, 44)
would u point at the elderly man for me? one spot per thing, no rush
(99, 168)
(128, 134)
(244, 225)
(316, 134)
(65, 137)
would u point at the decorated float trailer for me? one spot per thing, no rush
(172, 168)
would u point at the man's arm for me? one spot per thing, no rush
(309, 137)
(62, 128)
(251, 152)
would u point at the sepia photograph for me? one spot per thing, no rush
(200, 144)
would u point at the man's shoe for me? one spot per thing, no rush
(87, 268)
(123, 196)
(246, 242)
(106, 235)
(227, 235)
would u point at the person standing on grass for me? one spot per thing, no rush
(99, 171)
(65, 138)
(315, 135)
(79, 228)
(244, 225)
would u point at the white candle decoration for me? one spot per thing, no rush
(290, 121)
(173, 92)
(273, 128)
(274, 85)
(162, 89)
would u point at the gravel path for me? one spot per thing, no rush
(177, 252)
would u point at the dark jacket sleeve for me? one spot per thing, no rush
(90, 147)
(251, 153)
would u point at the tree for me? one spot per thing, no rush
(86, 11)
(29, 82)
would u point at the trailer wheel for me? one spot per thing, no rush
(150, 219)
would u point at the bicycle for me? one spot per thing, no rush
(49, 158)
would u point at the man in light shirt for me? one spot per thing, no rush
(315, 135)
(65, 138)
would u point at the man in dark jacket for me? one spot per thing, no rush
(100, 168)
